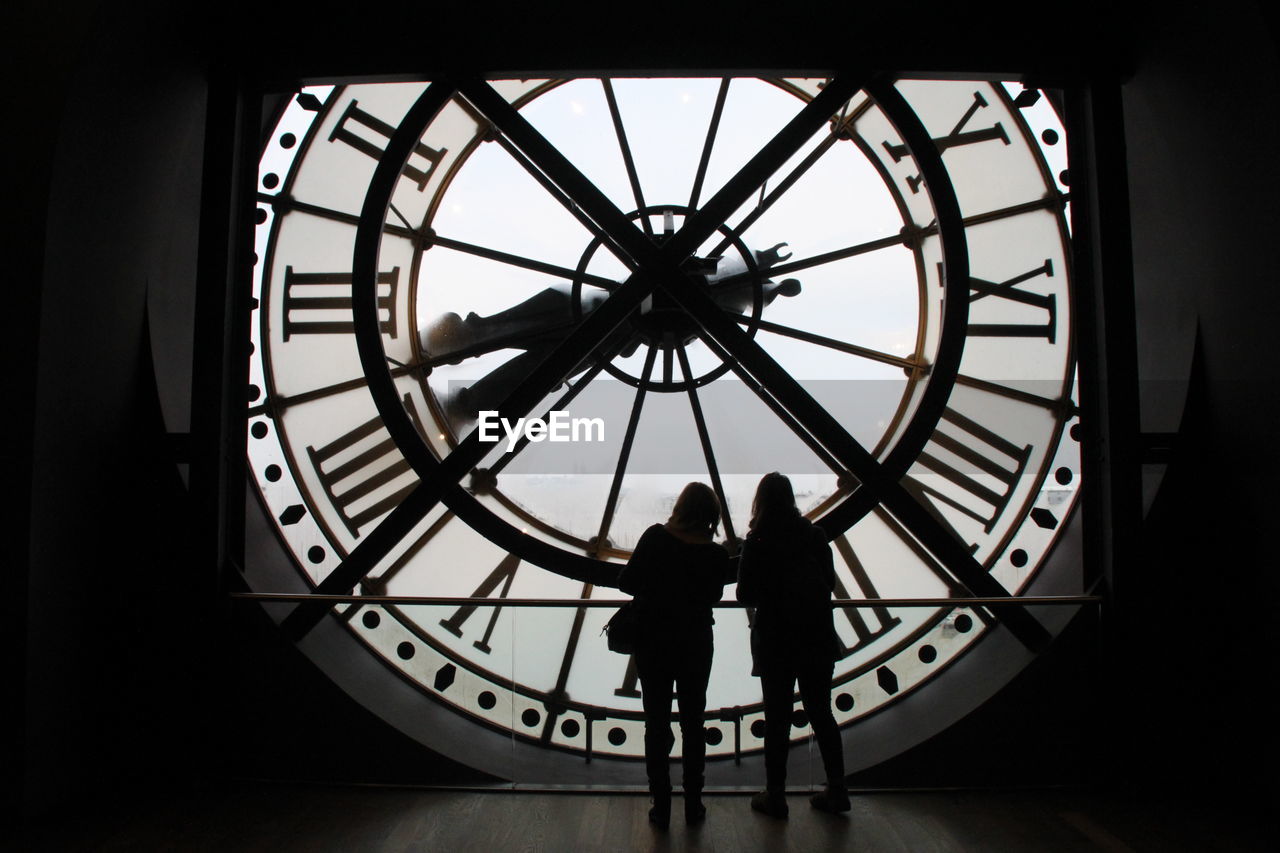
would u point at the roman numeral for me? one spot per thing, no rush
(957, 136)
(346, 482)
(417, 171)
(504, 573)
(319, 303)
(864, 631)
(1008, 290)
(978, 448)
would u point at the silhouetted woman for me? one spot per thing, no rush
(786, 573)
(676, 573)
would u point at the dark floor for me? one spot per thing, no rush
(280, 817)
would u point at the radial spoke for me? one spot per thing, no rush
(835, 255)
(777, 192)
(627, 159)
(1061, 405)
(832, 343)
(777, 408)
(282, 204)
(625, 454)
(713, 470)
(1052, 201)
(566, 202)
(565, 399)
(281, 402)
(909, 235)
(712, 130)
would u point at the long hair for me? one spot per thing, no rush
(696, 511)
(775, 501)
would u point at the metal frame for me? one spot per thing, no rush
(658, 268)
(1098, 522)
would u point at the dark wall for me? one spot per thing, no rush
(117, 633)
(108, 633)
(1203, 131)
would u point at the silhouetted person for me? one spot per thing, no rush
(676, 573)
(786, 572)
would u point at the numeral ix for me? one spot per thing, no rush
(319, 303)
(1008, 290)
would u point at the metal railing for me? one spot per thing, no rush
(978, 601)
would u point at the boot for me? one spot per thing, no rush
(660, 813)
(832, 798)
(694, 810)
(772, 803)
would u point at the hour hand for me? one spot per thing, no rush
(541, 319)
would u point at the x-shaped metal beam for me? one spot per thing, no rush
(657, 267)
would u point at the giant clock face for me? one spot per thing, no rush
(865, 288)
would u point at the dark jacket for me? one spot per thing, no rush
(674, 583)
(787, 573)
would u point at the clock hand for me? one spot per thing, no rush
(540, 321)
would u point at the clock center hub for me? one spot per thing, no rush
(738, 283)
